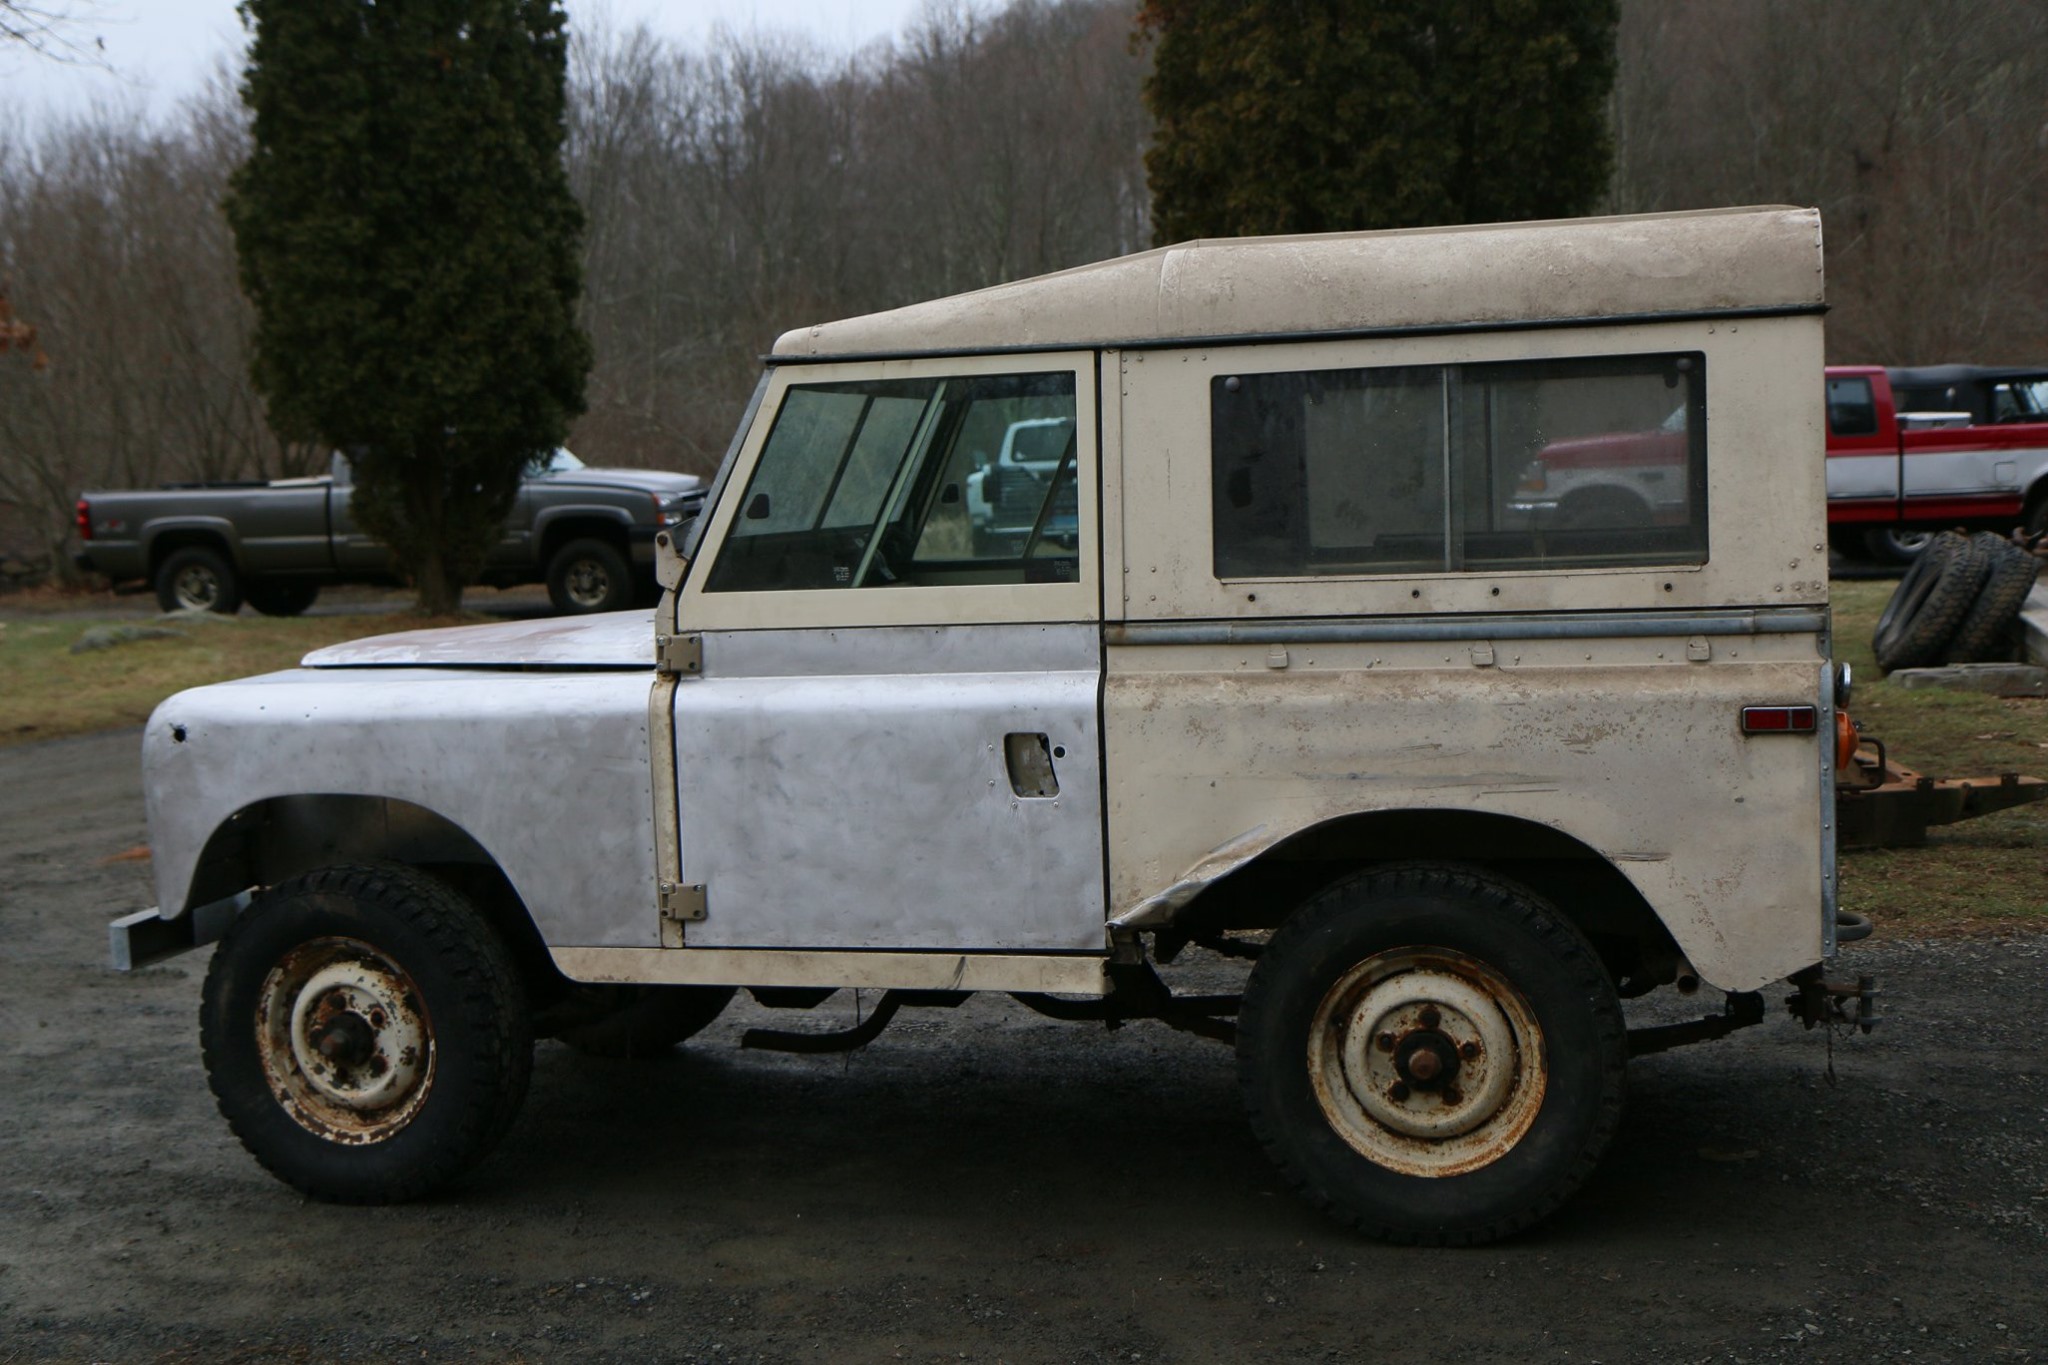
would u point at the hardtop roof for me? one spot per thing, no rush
(1761, 259)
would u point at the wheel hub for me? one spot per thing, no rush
(1427, 1061)
(196, 588)
(588, 583)
(346, 1046)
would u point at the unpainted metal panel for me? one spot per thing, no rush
(613, 639)
(548, 772)
(1625, 745)
(849, 789)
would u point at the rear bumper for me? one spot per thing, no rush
(146, 937)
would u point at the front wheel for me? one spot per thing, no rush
(365, 1033)
(1432, 1054)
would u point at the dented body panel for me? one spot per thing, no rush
(547, 772)
(1623, 745)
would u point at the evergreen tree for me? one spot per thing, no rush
(406, 232)
(1277, 116)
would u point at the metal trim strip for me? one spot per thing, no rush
(1605, 626)
(1346, 334)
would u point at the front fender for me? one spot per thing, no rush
(548, 773)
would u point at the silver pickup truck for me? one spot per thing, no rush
(1298, 705)
(587, 533)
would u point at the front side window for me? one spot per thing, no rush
(961, 480)
(1464, 468)
(1852, 411)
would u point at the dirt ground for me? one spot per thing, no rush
(984, 1185)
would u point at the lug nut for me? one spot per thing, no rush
(1450, 1094)
(1398, 1090)
(1430, 1018)
(1468, 1051)
(1386, 1042)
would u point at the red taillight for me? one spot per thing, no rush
(84, 519)
(1779, 720)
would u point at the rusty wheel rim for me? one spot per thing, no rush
(345, 1041)
(1427, 1062)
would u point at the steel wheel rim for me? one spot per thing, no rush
(587, 583)
(1427, 1062)
(345, 1041)
(196, 588)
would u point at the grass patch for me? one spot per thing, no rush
(1980, 876)
(51, 691)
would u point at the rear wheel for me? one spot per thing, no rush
(1432, 1054)
(198, 578)
(365, 1033)
(588, 576)
(1894, 545)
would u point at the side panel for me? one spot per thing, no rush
(850, 789)
(548, 772)
(1624, 744)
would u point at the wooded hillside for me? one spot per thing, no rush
(734, 192)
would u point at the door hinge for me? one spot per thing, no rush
(682, 902)
(681, 655)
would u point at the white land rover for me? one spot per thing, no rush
(1298, 684)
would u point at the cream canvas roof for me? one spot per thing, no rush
(1705, 261)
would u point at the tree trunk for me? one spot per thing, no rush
(436, 592)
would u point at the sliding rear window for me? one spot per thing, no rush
(1583, 463)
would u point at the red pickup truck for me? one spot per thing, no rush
(1914, 451)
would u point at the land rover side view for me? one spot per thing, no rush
(1302, 690)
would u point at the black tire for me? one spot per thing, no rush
(587, 576)
(403, 979)
(196, 578)
(1895, 544)
(1343, 976)
(649, 1021)
(1986, 631)
(1928, 606)
(282, 596)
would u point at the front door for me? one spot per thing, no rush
(894, 742)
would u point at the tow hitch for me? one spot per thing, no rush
(1820, 1001)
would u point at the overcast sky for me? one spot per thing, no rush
(161, 50)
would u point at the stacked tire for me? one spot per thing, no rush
(1956, 603)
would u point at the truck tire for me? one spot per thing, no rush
(365, 1033)
(587, 576)
(198, 578)
(649, 1021)
(1432, 1054)
(1986, 631)
(1928, 606)
(282, 596)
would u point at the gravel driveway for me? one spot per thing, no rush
(983, 1184)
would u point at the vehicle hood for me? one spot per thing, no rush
(608, 640)
(647, 480)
